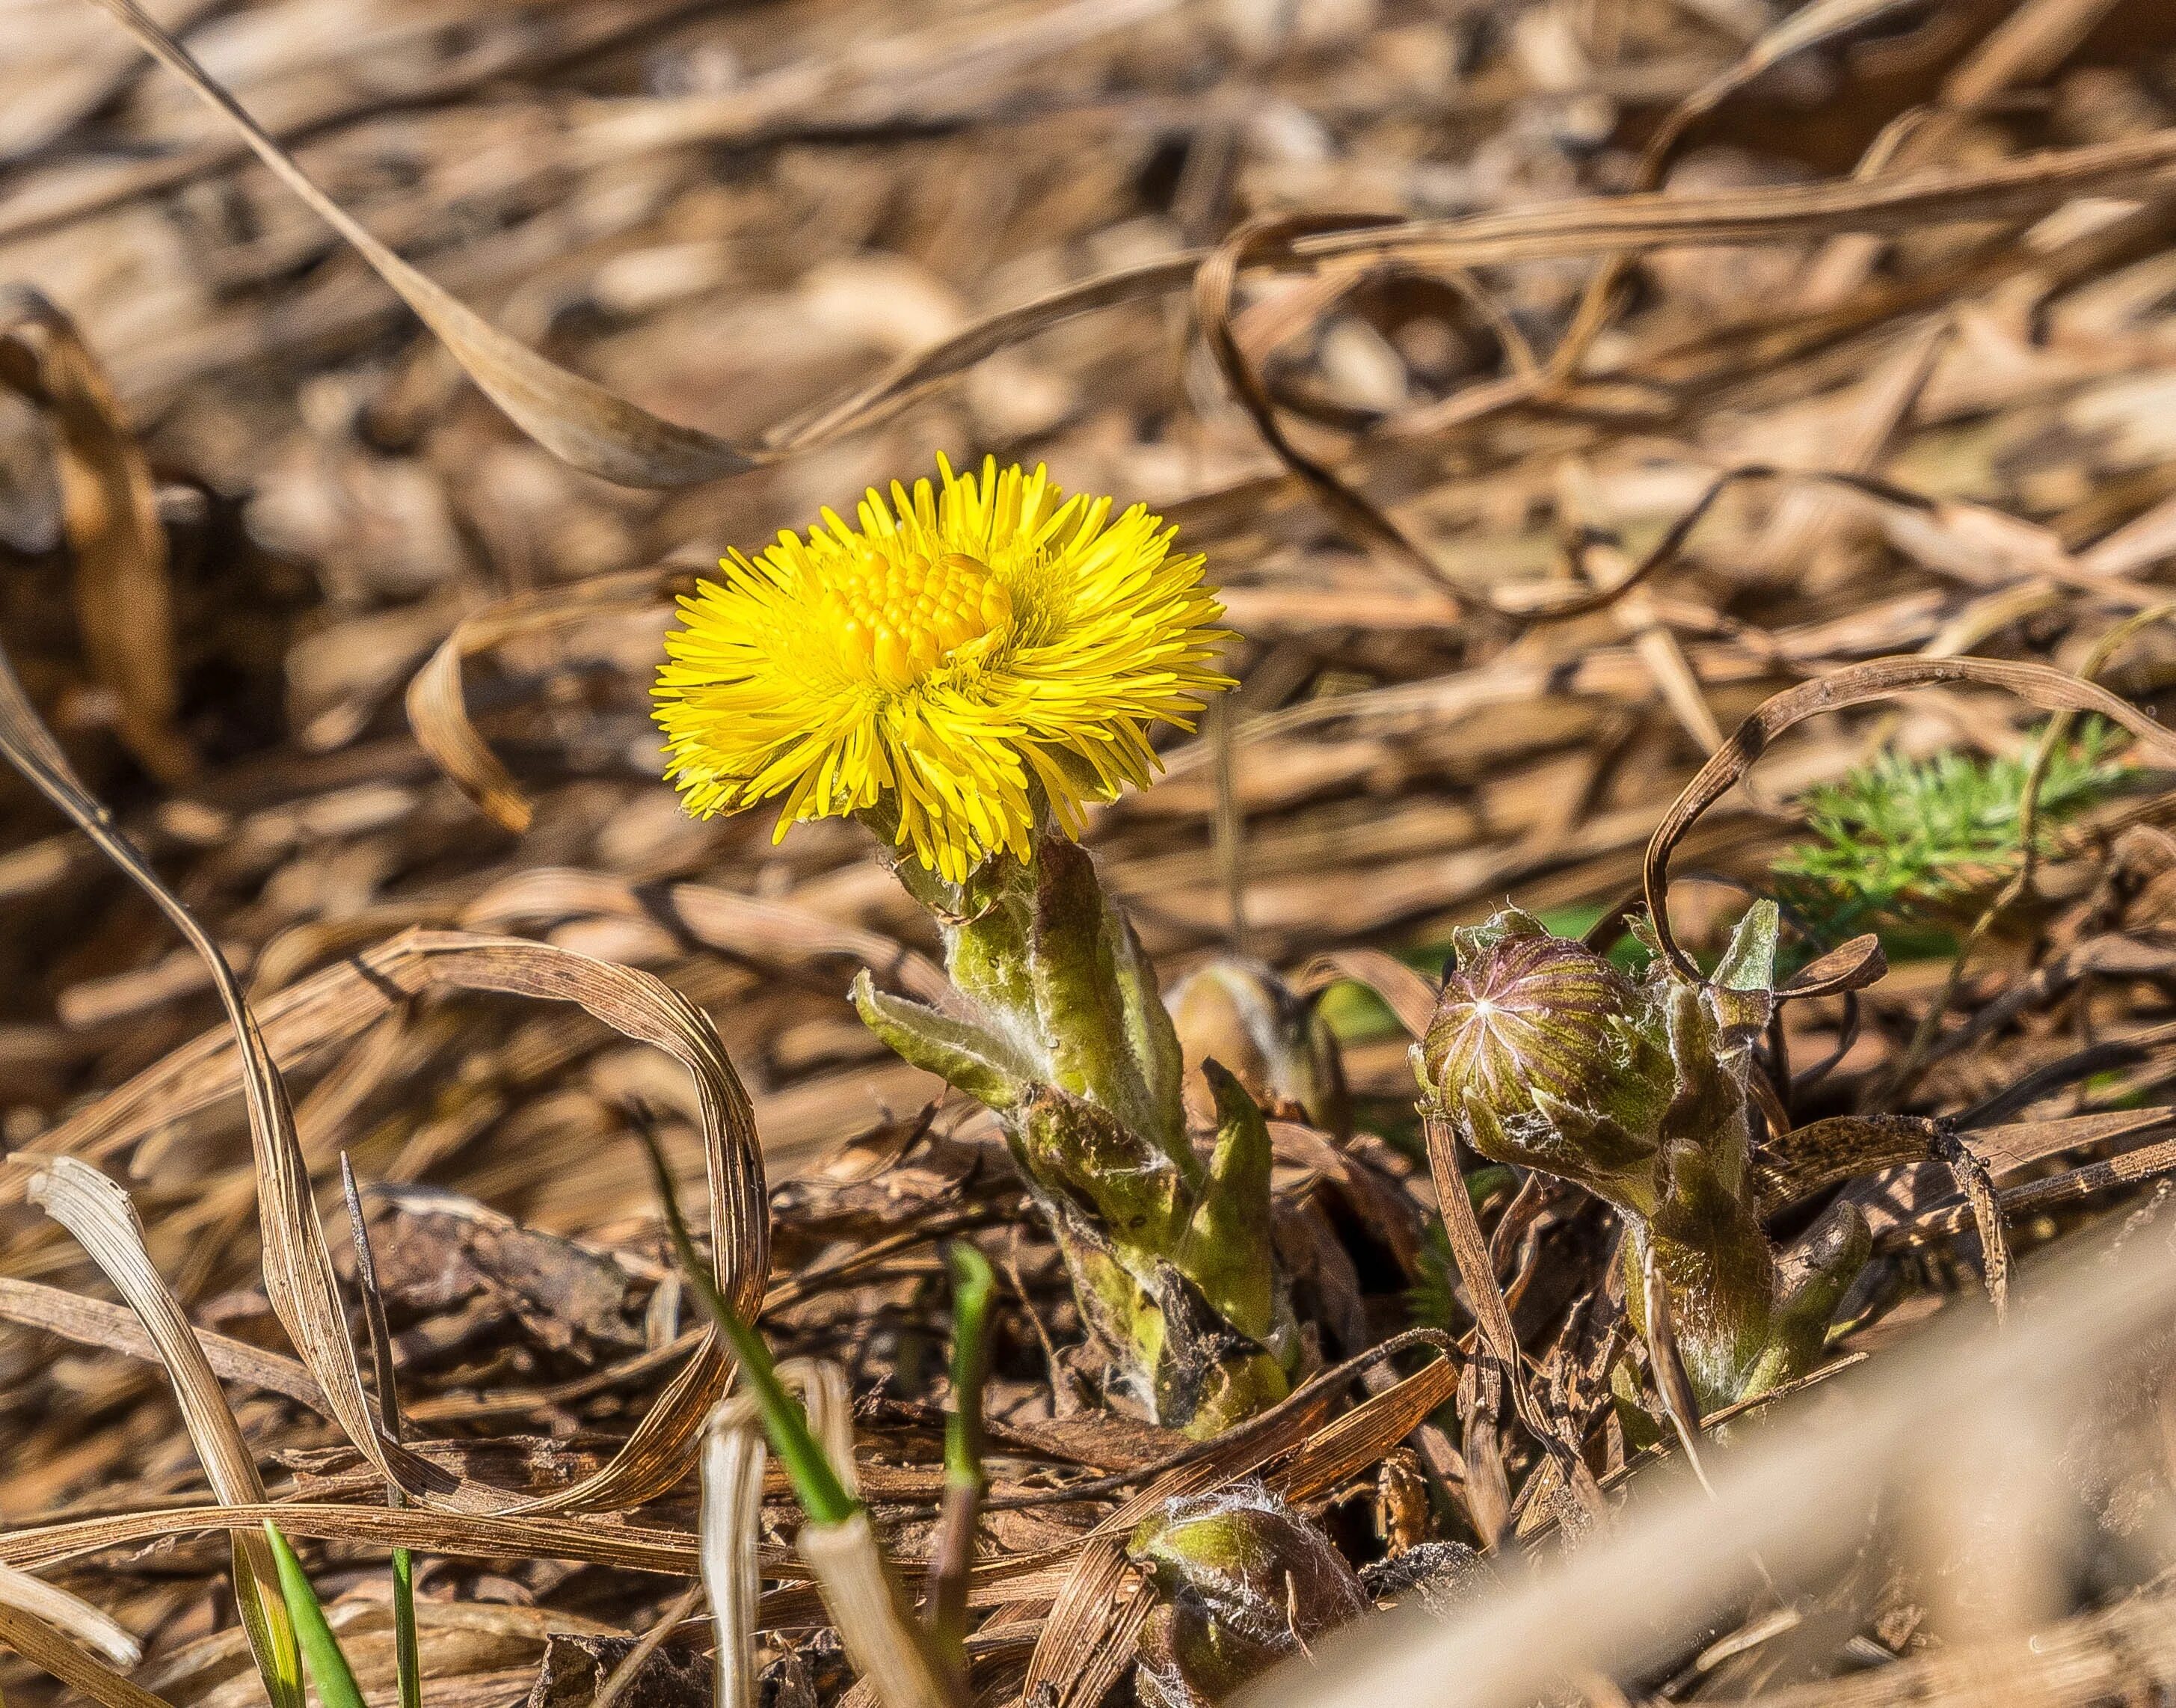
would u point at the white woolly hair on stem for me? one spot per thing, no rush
(734, 1457)
(1797, 1495)
(103, 1220)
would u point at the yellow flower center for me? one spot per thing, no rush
(901, 616)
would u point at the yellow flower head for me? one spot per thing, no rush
(962, 653)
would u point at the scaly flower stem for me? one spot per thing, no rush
(965, 667)
(1062, 1030)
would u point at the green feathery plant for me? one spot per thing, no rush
(1897, 840)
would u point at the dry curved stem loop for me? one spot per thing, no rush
(1899, 1081)
(2037, 685)
(734, 1457)
(298, 1268)
(1806, 28)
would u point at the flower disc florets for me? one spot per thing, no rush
(960, 658)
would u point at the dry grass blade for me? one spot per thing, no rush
(297, 1265)
(100, 1322)
(733, 1459)
(590, 426)
(44, 1647)
(2147, 1163)
(474, 1535)
(624, 1675)
(298, 1268)
(1215, 302)
(2127, 1652)
(595, 430)
(72, 1615)
(438, 709)
(1797, 1499)
(1976, 1182)
(882, 1637)
(1806, 28)
(110, 512)
(914, 375)
(1470, 1251)
(342, 1001)
(103, 1220)
(1409, 996)
(2142, 166)
(1361, 1437)
(829, 1403)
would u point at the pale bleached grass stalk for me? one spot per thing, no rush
(882, 1638)
(734, 1459)
(104, 1221)
(71, 1615)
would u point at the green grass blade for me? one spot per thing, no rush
(823, 1497)
(406, 1654)
(271, 1631)
(973, 1284)
(952, 1546)
(321, 1650)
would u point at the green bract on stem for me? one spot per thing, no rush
(1058, 1027)
(1543, 1054)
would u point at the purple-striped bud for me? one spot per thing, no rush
(1549, 1057)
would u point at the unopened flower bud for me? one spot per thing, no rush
(1272, 1039)
(1550, 1057)
(1245, 1581)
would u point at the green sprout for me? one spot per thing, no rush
(816, 1484)
(952, 1547)
(321, 1649)
(1894, 845)
(973, 1284)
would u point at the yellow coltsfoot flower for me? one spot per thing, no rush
(959, 656)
